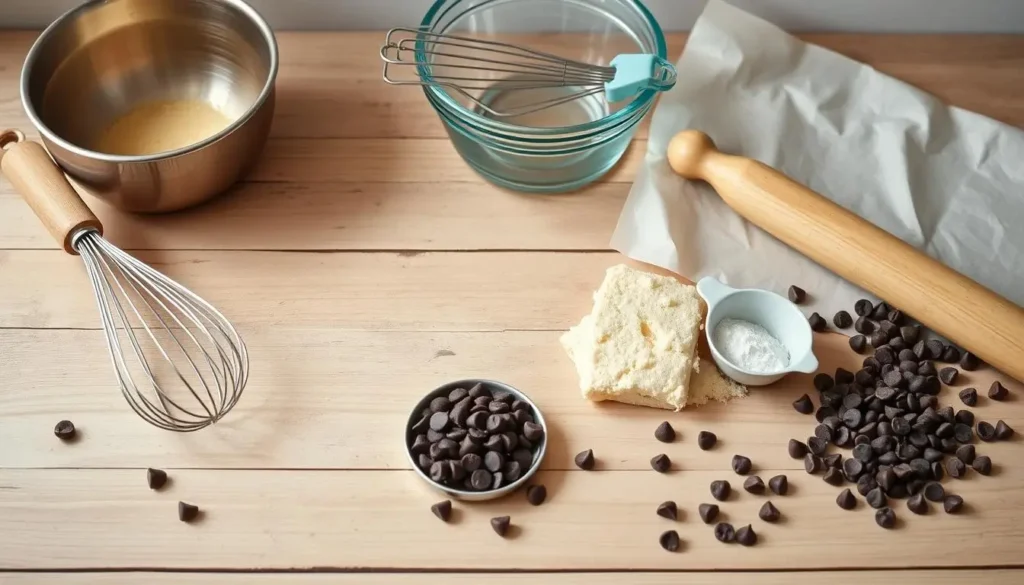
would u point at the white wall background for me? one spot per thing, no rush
(920, 16)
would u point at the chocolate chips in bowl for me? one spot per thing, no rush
(476, 439)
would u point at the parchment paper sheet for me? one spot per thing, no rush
(945, 180)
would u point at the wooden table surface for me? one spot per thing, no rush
(364, 263)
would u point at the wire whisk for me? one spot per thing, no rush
(180, 364)
(467, 65)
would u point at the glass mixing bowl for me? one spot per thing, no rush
(560, 148)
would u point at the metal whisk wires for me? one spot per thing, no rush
(198, 363)
(467, 65)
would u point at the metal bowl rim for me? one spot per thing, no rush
(268, 89)
(486, 494)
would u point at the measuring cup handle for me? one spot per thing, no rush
(712, 291)
(45, 188)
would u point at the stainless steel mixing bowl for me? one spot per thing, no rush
(102, 59)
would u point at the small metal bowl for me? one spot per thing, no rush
(466, 495)
(104, 59)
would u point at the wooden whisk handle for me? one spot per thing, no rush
(45, 188)
(944, 300)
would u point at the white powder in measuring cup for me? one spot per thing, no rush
(750, 346)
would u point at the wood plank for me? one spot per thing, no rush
(911, 577)
(330, 84)
(62, 519)
(353, 216)
(323, 398)
(381, 291)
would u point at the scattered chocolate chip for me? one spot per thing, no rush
(669, 540)
(1003, 431)
(885, 518)
(823, 382)
(927, 369)
(966, 454)
(754, 485)
(969, 396)
(955, 468)
(863, 307)
(833, 460)
(880, 311)
(812, 464)
(969, 361)
(665, 433)
(585, 460)
(803, 405)
(724, 532)
(661, 463)
(536, 494)
(878, 339)
(746, 536)
(950, 355)
(817, 322)
(187, 512)
(816, 445)
(935, 348)
(156, 478)
(797, 449)
(982, 464)
(668, 510)
(64, 430)
(741, 464)
(708, 512)
(876, 497)
(865, 484)
(833, 476)
(952, 504)
(500, 525)
(986, 432)
(917, 504)
(779, 485)
(720, 490)
(852, 469)
(797, 295)
(948, 375)
(997, 391)
(443, 509)
(858, 343)
(842, 320)
(706, 440)
(964, 417)
(846, 500)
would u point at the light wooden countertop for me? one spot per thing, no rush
(365, 263)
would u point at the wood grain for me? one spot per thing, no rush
(381, 519)
(323, 398)
(911, 577)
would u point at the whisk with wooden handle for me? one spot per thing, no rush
(960, 309)
(197, 364)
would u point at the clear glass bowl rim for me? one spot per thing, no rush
(637, 103)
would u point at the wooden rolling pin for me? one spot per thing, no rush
(949, 303)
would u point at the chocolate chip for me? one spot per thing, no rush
(934, 491)
(665, 433)
(955, 468)
(932, 455)
(910, 334)
(439, 421)
(156, 478)
(816, 445)
(852, 400)
(746, 536)
(494, 461)
(724, 532)
(524, 458)
(927, 369)
(864, 325)
(852, 468)
(823, 382)
(477, 420)
(952, 504)
(706, 440)
(536, 494)
(64, 430)
(880, 311)
(863, 307)
(969, 396)
(997, 391)
(660, 463)
(885, 518)
(937, 471)
(964, 417)
(917, 504)
(187, 512)
(935, 348)
(950, 355)
(969, 362)
(741, 464)
(424, 461)
(817, 322)
(858, 343)
(533, 432)
(834, 460)
(720, 490)
(779, 485)
(481, 402)
(708, 512)
(457, 434)
(480, 479)
(513, 470)
(669, 540)
(824, 412)
(812, 464)
(500, 525)
(668, 510)
(754, 485)
(456, 395)
(878, 339)
(876, 498)
(797, 295)
(833, 476)
(986, 432)
(842, 320)
(982, 464)
(948, 375)
(803, 405)
(1003, 431)
(846, 500)
(497, 480)
(585, 460)
(796, 449)
(478, 390)
(442, 509)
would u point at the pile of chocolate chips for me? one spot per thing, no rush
(476, 439)
(888, 413)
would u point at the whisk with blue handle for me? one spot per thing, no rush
(457, 63)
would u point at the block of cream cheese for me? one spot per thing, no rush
(639, 343)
